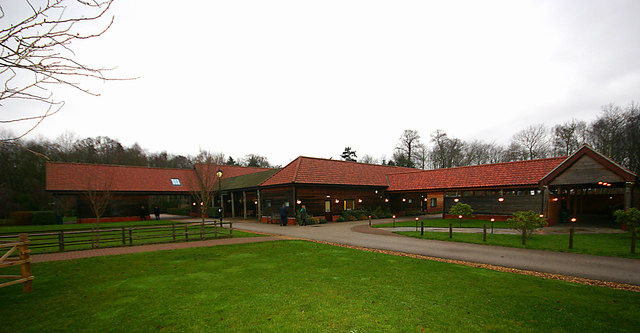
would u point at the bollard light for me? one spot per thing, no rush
(501, 199)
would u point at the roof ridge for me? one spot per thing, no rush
(116, 165)
(486, 165)
(280, 170)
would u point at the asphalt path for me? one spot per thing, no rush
(620, 270)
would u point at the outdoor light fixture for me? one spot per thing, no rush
(425, 199)
(219, 173)
(337, 201)
(459, 216)
(456, 200)
(194, 203)
(255, 202)
(501, 199)
(386, 199)
(404, 199)
(542, 215)
(554, 199)
(298, 202)
(394, 216)
(360, 200)
(599, 183)
(573, 219)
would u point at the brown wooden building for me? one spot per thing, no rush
(585, 185)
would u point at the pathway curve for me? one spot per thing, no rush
(619, 270)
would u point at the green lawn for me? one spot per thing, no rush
(614, 245)
(292, 286)
(444, 223)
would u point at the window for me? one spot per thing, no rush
(267, 203)
(175, 182)
(327, 206)
(434, 202)
(349, 204)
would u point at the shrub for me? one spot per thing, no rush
(526, 221)
(178, 211)
(374, 216)
(630, 217)
(43, 217)
(322, 221)
(21, 218)
(461, 209)
(363, 217)
(351, 218)
(340, 219)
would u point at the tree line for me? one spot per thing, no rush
(22, 164)
(615, 133)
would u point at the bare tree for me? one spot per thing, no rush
(98, 194)
(533, 141)
(409, 143)
(606, 134)
(368, 159)
(569, 137)
(256, 161)
(446, 152)
(206, 167)
(35, 52)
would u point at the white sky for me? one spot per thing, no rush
(289, 78)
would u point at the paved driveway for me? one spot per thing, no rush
(621, 270)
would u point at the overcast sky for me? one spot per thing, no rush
(289, 78)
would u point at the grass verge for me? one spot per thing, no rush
(613, 245)
(444, 223)
(288, 286)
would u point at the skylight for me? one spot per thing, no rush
(175, 182)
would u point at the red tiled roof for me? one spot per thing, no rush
(79, 177)
(489, 175)
(308, 170)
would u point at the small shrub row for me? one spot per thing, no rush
(32, 218)
(178, 211)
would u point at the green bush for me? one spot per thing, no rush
(363, 217)
(213, 212)
(351, 218)
(43, 217)
(527, 221)
(178, 211)
(340, 219)
(322, 221)
(21, 218)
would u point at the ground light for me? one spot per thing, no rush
(460, 220)
(492, 220)
(571, 231)
(219, 174)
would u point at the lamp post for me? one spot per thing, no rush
(492, 220)
(219, 174)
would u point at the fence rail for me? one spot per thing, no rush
(65, 240)
(23, 259)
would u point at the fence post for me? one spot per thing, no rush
(124, 237)
(571, 236)
(130, 236)
(25, 269)
(524, 236)
(61, 240)
(421, 228)
(484, 232)
(231, 229)
(450, 230)
(186, 233)
(173, 230)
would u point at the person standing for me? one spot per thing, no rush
(283, 215)
(156, 211)
(303, 215)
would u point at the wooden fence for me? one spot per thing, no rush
(78, 239)
(23, 259)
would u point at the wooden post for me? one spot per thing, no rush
(244, 203)
(231, 229)
(484, 232)
(450, 230)
(173, 231)
(61, 240)
(124, 237)
(571, 231)
(130, 236)
(633, 241)
(421, 228)
(25, 269)
(259, 206)
(233, 205)
(186, 233)
(524, 236)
